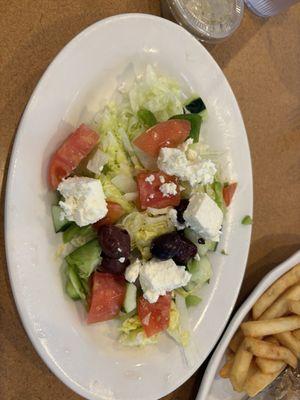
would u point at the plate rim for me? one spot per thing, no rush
(9, 190)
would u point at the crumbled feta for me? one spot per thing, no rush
(132, 271)
(84, 200)
(187, 165)
(168, 189)
(197, 257)
(185, 145)
(204, 217)
(122, 259)
(162, 179)
(172, 214)
(150, 179)
(159, 277)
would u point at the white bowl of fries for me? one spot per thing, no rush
(262, 339)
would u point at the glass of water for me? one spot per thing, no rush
(267, 8)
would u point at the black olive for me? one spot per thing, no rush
(114, 265)
(201, 241)
(185, 252)
(173, 245)
(181, 209)
(114, 241)
(166, 246)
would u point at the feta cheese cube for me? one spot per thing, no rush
(84, 200)
(159, 277)
(132, 271)
(204, 217)
(172, 214)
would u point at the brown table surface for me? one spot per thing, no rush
(262, 64)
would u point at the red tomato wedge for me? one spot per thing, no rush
(228, 192)
(154, 316)
(67, 157)
(107, 296)
(165, 134)
(149, 184)
(114, 213)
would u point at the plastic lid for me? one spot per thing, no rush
(209, 20)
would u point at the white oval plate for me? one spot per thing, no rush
(212, 386)
(88, 358)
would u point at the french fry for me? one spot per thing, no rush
(270, 327)
(252, 368)
(263, 349)
(294, 306)
(225, 370)
(288, 340)
(270, 295)
(258, 381)
(281, 306)
(236, 340)
(240, 368)
(296, 333)
(268, 366)
(271, 339)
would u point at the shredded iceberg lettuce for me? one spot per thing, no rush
(112, 193)
(132, 333)
(175, 329)
(120, 124)
(157, 93)
(190, 350)
(143, 228)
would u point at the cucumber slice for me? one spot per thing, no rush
(74, 231)
(74, 287)
(192, 300)
(209, 245)
(71, 291)
(86, 258)
(130, 298)
(60, 224)
(201, 271)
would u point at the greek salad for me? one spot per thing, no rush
(140, 206)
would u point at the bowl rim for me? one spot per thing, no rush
(243, 310)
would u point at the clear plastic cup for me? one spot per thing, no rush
(267, 8)
(208, 20)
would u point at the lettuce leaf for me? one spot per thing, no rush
(143, 228)
(157, 93)
(132, 333)
(112, 193)
(120, 124)
(175, 329)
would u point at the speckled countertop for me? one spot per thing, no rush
(262, 64)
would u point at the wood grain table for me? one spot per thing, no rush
(262, 64)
